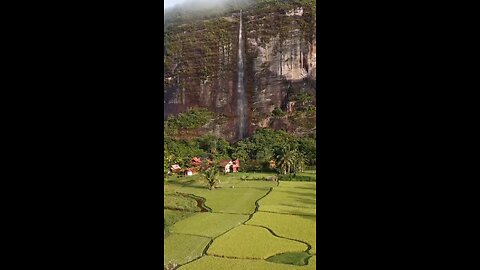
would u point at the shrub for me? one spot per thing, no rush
(278, 112)
(191, 119)
(293, 177)
(252, 166)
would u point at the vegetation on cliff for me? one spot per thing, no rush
(254, 152)
(201, 53)
(191, 119)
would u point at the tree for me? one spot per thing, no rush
(290, 161)
(285, 161)
(167, 161)
(308, 147)
(240, 152)
(299, 162)
(210, 175)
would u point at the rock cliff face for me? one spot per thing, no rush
(280, 66)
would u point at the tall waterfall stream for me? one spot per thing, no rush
(241, 99)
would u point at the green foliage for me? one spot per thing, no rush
(295, 258)
(308, 146)
(304, 97)
(182, 151)
(252, 166)
(191, 119)
(295, 177)
(254, 152)
(211, 175)
(218, 147)
(290, 161)
(278, 112)
(265, 144)
(240, 152)
(168, 159)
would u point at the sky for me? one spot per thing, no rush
(171, 3)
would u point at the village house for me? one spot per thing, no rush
(195, 162)
(236, 165)
(225, 166)
(175, 168)
(228, 166)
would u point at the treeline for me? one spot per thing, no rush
(290, 153)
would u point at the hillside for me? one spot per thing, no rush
(279, 63)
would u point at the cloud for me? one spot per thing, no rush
(171, 3)
(201, 4)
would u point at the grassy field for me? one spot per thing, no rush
(276, 235)
(171, 217)
(230, 200)
(264, 246)
(290, 226)
(180, 248)
(172, 203)
(208, 224)
(298, 198)
(179, 202)
(215, 263)
(295, 258)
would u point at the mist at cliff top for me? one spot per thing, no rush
(200, 4)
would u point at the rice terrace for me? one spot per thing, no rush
(239, 88)
(242, 224)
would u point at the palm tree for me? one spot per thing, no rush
(286, 160)
(210, 175)
(299, 162)
(290, 161)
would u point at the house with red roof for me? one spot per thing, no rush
(236, 165)
(229, 165)
(175, 168)
(195, 162)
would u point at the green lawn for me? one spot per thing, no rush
(250, 242)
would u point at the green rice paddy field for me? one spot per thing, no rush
(250, 224)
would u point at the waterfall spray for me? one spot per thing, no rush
(241, 100)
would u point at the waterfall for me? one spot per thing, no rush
(241, 100)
